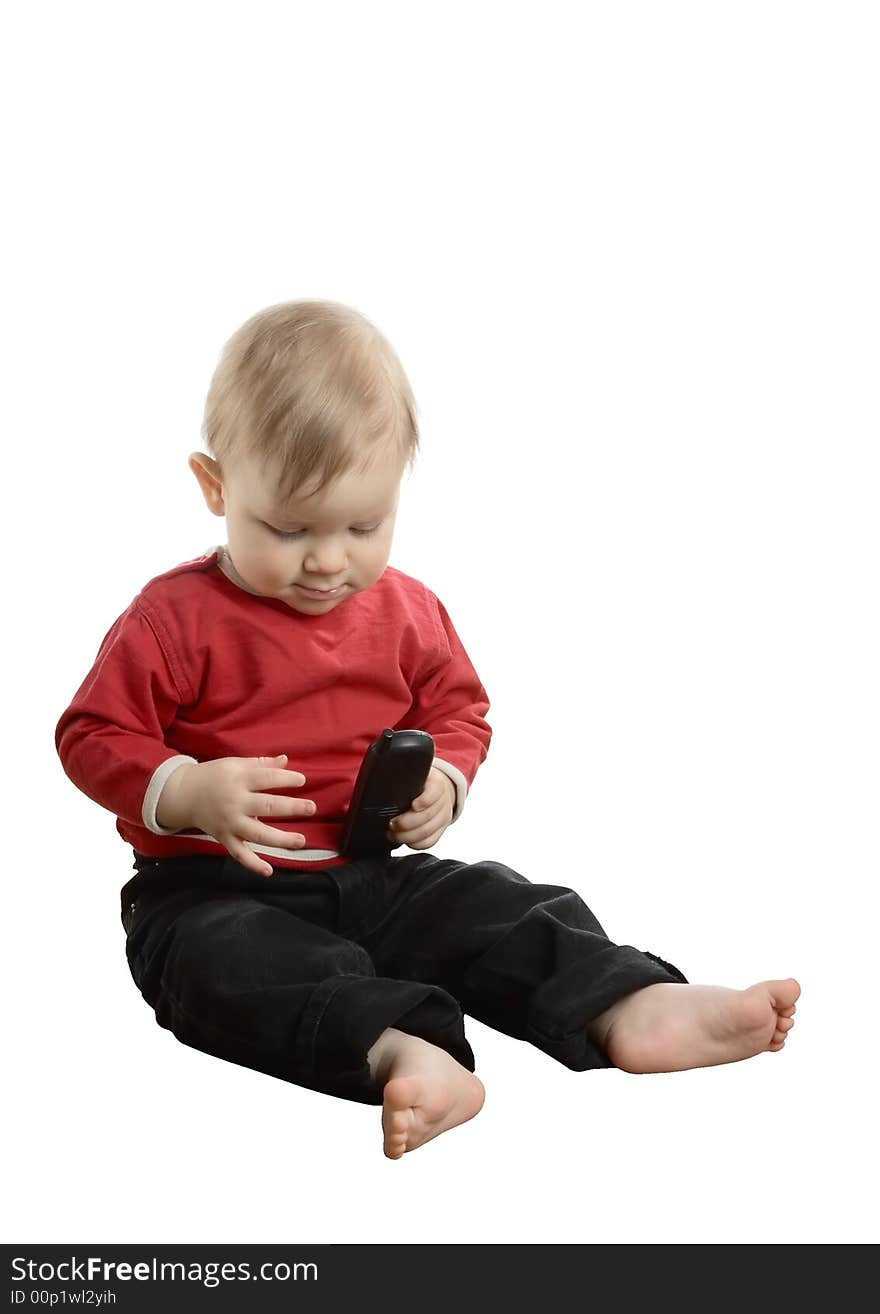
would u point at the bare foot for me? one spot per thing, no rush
(425, 1091)
(670, 1026)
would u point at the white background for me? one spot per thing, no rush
(628, 256)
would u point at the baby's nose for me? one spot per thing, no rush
(328, 561)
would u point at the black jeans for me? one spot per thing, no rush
(298, 974)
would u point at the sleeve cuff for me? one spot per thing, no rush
(458, 780)
(154, 789)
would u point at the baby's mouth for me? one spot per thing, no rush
(324, 593)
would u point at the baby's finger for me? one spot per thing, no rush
(403, 821)
(273, 805)
(269, 835)
(247, 858)
(415, 835)
(424, 840)
(418, 820)
(434, 799)
(396, 830)
(403, 826)
(274, 775)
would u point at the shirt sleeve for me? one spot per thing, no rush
(111, 737)
(450, 703)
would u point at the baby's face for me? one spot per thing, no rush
(338, 541)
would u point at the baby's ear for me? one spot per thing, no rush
(207, 472)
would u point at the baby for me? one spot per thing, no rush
(224, 721)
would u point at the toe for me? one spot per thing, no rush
(395, 1139)
(783, 994)
(784, 1023)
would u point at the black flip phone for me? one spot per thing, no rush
(392, 774)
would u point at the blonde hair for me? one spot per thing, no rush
(311, 389)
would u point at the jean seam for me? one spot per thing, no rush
(305, 1043)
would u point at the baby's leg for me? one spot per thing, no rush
(528, 959)
(237, 974)
(424, 1090)
(668, 1027)
(533, 961)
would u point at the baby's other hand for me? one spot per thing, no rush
(429, 814)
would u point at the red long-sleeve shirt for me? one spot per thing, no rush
(199, 667)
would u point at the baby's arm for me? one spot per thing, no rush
(111, 737)
(450, 703)
(112, 746)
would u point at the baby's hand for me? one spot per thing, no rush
(429, 815)
(224, 797)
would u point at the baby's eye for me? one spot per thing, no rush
(298, 533)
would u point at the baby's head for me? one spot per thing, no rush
(310, 423)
